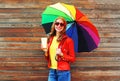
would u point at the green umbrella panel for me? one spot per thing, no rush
(50, 14)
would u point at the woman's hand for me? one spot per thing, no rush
(45, 50)
(59, 52)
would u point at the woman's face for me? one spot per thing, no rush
(59, 25)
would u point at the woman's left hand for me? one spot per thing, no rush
(59, 52)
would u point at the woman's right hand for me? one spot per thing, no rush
(45, 50)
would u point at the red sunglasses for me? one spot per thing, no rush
(57, 23)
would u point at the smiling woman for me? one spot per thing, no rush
(60, 52)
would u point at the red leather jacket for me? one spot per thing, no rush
(67, 48)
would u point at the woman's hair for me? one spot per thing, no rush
(53, 31)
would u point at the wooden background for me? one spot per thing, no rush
(20, 31)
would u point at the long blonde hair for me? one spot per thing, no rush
(53, 31)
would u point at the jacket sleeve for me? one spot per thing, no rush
(68, 51)
(47, 52)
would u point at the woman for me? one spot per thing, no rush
(60, 52)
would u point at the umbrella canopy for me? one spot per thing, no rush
(79, 28)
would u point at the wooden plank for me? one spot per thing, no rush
(20, 39)
(24, 73)
(96, 64)
(23, 68)
(98, 73)
(93, 78)
(18, 34)
(22, 1)
(85, 4)
(107, 6)
(23, 44)
(37, 39)
(24, 78)
(99, 54)
(76, 64)
(22, 30)
(23, 53)
(22, 59)
(96, 76)
(107, 25)
(42, 68)
(37, 44)
(23, 64)
(101, 68)
(112, 45)
(20, 20)
(97, 59)
(109, 34)
(108, 1)
(110, 39)
(18, 25)
(101, 14)
(11, 32)
(38, 53)
(24, 4)
(19, 10)
(14, 34)
(106, 20)
(41, 58)
(21, 13)
(13, 16)
(22, 49)
(109, 30)
(20, 44)
(107, 49)
(38, 24)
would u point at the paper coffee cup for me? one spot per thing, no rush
(44, 42)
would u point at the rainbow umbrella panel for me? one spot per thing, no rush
(79, 28)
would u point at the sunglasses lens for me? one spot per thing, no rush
(61, 24)
(57, 23)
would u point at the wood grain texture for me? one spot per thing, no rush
(21, 58)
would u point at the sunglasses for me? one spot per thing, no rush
(57, 23)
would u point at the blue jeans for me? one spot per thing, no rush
(59, 75)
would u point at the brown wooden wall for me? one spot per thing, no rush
(20, 31)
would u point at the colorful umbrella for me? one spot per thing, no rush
(79, 28)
